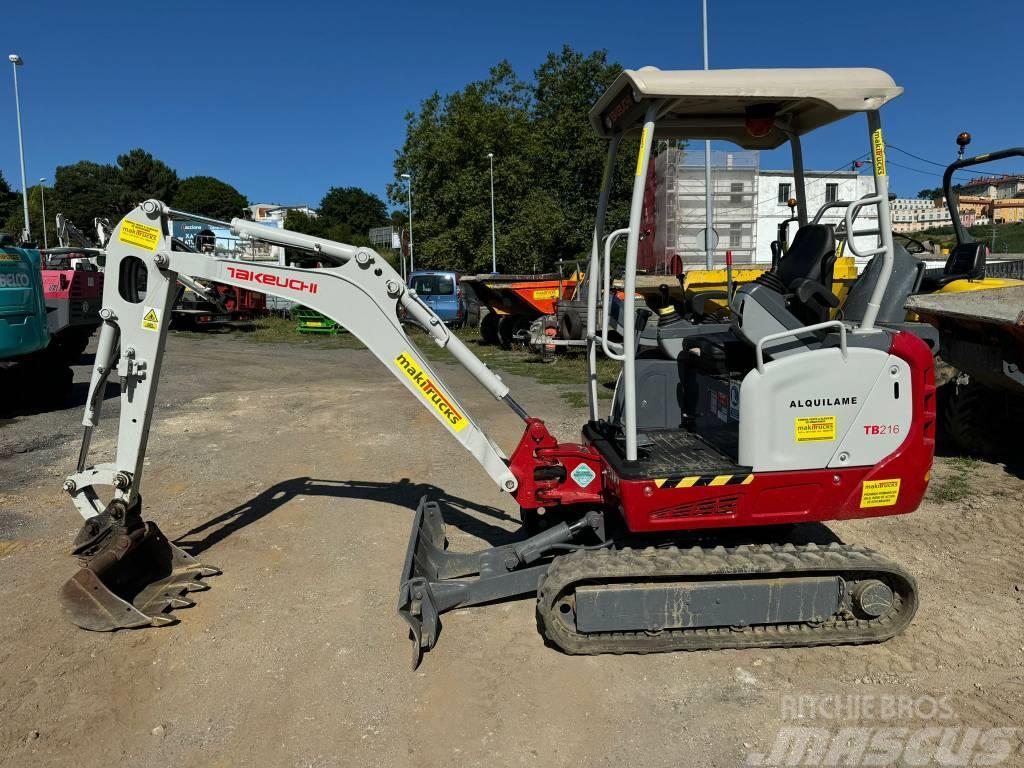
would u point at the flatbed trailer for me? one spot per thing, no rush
(981, 332)
(981, 336)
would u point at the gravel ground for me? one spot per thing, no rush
(296, 471)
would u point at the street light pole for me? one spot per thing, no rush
(412, 263)
(709, 249)
(16, 62)
(42, 200)
(494, 247)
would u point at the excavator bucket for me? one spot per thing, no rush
(131, 575)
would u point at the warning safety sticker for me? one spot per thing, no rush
(546, 293)
(142, 235)
(879, 493)
(815, 429)
(151, 319)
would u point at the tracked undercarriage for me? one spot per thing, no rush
(600, 598)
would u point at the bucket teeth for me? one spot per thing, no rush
(138, 588)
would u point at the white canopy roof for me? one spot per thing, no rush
(711, 104)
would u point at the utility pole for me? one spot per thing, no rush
(412, 263)
(494, 247)
(709, 248)
(42, 200)
(16, 62)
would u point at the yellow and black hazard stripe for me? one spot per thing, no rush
(698, 481)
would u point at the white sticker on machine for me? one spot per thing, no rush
(583, 475)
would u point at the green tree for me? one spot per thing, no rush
(446, 151)
(297, 221)
(86, 190)
(930, 194)
(353, 207)
(144, 177)
(14, 221)
(571, 157)
(208, 196)
(8, 204)
(548, 166)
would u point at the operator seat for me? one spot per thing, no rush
(906, 278)
(802, 278)
(804, 274)
(907, 275)
(966, 262)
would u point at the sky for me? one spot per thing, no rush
(285, 100)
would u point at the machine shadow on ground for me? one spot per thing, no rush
(403, 493)
(32, 402)
(458, 512)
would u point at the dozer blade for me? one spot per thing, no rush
(134, 582)
(435, 580)
(415, 599)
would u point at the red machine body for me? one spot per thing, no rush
(242, 303)
(648, 505)
(74, 297)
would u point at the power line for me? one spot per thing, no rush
(807, 184)
(992, 175)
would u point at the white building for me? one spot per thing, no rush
(907, 213)
(277, 212)
(995, 187)
(775, 188)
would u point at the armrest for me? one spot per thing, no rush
(805, 290)
(932, 284)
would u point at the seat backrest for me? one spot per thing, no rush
(811, 256)
(967, 260)
(907, 271)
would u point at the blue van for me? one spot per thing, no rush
(442, 293)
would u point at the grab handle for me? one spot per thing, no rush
(606, 292)
(759, 350)
(851, 213)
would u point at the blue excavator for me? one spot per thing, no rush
(31, 368)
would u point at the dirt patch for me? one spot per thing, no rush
(295, 469)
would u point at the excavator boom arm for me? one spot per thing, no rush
(363, 293)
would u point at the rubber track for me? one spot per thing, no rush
(662, 564)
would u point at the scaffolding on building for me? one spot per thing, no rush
(384, 237)
(680, 195)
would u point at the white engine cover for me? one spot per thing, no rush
(815, 410)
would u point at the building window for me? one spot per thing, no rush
(736, 187)
(831, 192)
(784, 190)
(735, 235)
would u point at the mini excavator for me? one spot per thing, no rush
(783, 415)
